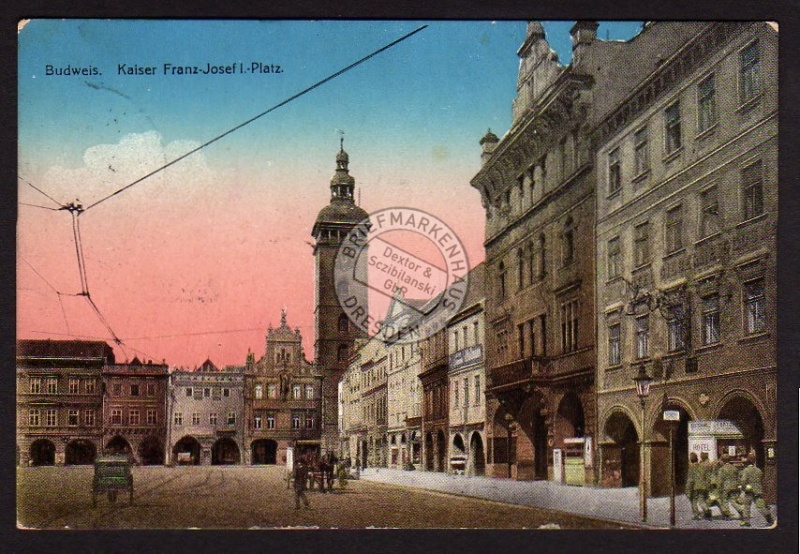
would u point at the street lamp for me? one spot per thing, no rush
(643, 381)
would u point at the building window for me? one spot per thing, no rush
(674, 230)
(116, 416)
(568, 242)
(542, 255)
(270, 420)
(455, 394)
(189, 391)
(259, 392)
(614, 172)
(475, 329)
(752, 191)
(614, 258)
(116, 389)
(195, 418)
(212, 418)
(231, 418)
(74, 386)
(34, 417)
(641, 244)
(344, 325)
(641, 151)
(178, 418)
(134, 390)
(151, 417)
(52, 385)
(642, 336)
(272, 390)
(226, 393)
(133, 417)
(52, 417)
(72, 418)
(309, 421)
(88, 417)
(295, 421)
(614, 353)
(455, 341)
(198, 393)
(706, 105)
(521, 340)
(296, 392)
(749, 73)
(520, 268)
(207, 393)
(216, 394)
(342, 353)
(91, 386)
(709, 215)
(309, 392)
(478, 392)
(672, 127)
(151, 389)
(754, 306)
(501, 277)
(711, 320)
(569, 326)
(36, 385)
(257, 421)
(675, 332)
(466, 391)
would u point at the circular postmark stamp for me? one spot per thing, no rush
(401, 274)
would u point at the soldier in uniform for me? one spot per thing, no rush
(714, 487)
(701, 485)
(691, 478)
(751, 484)
(728, 478)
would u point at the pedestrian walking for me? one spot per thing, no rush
(300, 478)
(728, 478)
(330, 469)
(751, 484)
(702, 484)
(691, 480)
(714, 486)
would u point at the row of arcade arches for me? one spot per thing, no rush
(84, 452)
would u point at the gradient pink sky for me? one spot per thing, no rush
(199, 259)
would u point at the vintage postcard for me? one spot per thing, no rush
(397, 274)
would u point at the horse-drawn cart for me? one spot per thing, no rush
(112, 474)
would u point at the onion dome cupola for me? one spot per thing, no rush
(342, 209)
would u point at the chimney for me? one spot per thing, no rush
(583, 33)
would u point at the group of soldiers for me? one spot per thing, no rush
(720, 483)
(308, 471)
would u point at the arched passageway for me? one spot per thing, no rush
(186, 451)
(43, 453)
(477, 457)
(80, 452)
(225, 452)
(264, 452)
(621, 456)
(151, 451)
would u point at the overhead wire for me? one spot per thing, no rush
(262, 114)
(76, 210)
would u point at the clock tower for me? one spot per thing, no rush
(335, 333)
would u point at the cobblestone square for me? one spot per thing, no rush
(257, 498)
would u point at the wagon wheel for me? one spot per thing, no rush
(112, 496)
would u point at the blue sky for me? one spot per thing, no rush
(219, 242)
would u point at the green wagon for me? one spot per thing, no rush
(112, 474)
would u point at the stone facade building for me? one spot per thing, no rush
(282, 398)
(334, 332)
(60, 401)
(206, 416)
(687, 199)
(134, 410)
(433, 377)
(467, 380)
(538, 185)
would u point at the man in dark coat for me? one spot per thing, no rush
(300, 479)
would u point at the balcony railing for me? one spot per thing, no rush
(518, 371)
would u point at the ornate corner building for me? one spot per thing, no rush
(282, 398)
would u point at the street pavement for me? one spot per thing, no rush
(242, 497)
(619, 504)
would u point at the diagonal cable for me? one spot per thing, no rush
(38, 206)
(39, 190)
(262, 114)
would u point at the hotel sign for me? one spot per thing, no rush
(466, 356)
